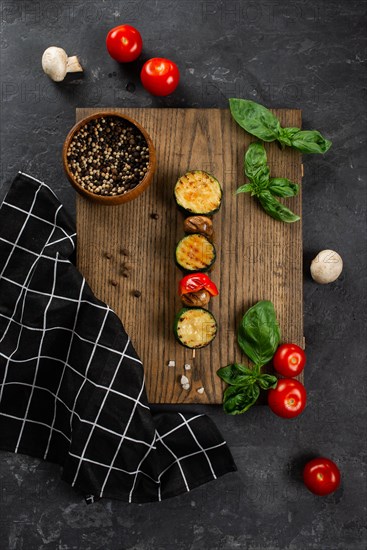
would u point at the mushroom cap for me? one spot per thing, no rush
(54, 63)
(326, 266)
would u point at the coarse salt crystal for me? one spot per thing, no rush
(187, 367)
(184, 380)
(200, 390)
(171, 363)
(185, 386)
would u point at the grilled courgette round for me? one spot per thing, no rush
(195, 253)
(195, 327)
(198, 192)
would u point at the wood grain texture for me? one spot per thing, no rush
(258, 257)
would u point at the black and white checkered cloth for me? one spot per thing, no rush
(71, 384)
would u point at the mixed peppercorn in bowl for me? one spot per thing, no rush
(109, 158)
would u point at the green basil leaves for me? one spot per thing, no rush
(260, 122)
(258, 337)
(266, 188)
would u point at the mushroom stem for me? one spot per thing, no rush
(73, 65)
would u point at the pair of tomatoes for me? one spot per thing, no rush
(159, 76)
(288, 399)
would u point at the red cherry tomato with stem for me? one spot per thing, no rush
(124, 43)
(321, 476)
(289, 360)
(160, 76)
(288, 399)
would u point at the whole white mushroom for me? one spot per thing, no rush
(56, 63)
(326, 267)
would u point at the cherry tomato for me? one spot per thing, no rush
(321, 476)
(289, 360)
(288, 399)
(124, 43)
(160, 76)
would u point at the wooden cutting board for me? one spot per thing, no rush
(258, 257)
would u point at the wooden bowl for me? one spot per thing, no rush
(106, 199)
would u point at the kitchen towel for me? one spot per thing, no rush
(71, 383)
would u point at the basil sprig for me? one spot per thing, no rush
(260, 122)
(258, 337)
(266, 188)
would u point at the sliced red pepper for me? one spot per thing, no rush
(197, 281)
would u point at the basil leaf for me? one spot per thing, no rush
(255, 158)
(238, 399)
(259, 334)
(260, 181)
(235, 374)
(256, 168)
(267, 381)
(310, 141)
(244, 188)
(276, 209)
(260, 122)
(283, 187)
(255, 119)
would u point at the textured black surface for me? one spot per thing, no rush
(285, 54)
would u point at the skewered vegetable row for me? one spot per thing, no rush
(199, 194)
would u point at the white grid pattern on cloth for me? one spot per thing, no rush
(152, 446)
(83, 420)
(103, 465)
(38, 359)
(29, 213)
(26, 279)
(44, 324)
(88, 365)
(198, 444)
(179, 459)
(23, 249)
(34, 422)
(120, 379)
(66, 329)
(122, 439)
(94, 424)
(64, 368)
(100, 386)
(15, 244)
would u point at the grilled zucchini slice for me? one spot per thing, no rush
(195, 327)
(195, 253)
(198, 192)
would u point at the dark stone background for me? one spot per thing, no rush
(307, 54)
